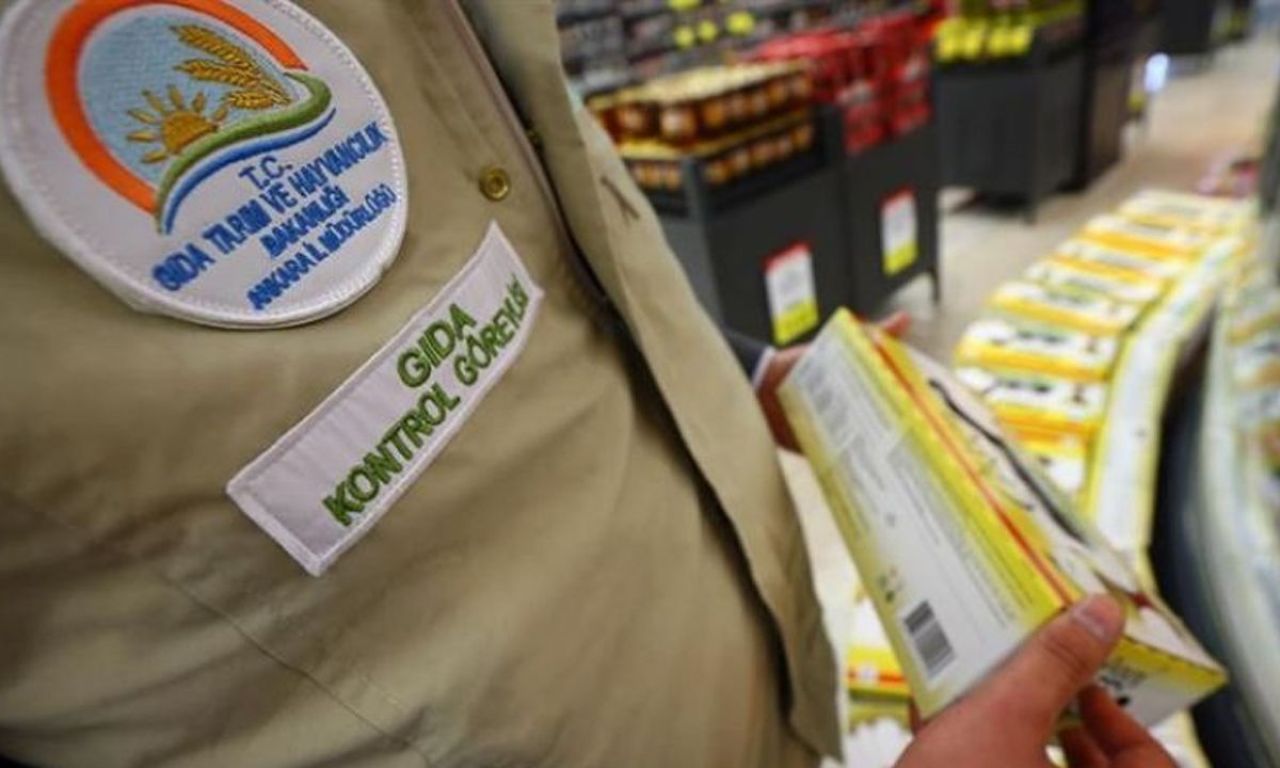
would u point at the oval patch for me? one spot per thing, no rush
(227, 162)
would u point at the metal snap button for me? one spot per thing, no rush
(495, 184)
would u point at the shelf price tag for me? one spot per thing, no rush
(793, 300)
(899, 246)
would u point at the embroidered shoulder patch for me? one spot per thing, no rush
(227, 162)
(324, 484)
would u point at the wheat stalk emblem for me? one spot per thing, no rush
(230, 65)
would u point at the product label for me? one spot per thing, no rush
(952, 617)
(793, 300)
(327, 481)
(227, 162)
(898, 232)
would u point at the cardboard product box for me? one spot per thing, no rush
(1153, 241)
(1016, 345)
(963, 546)
(872, 670)
(875, 685)
(1033, 401)
(1063, 457)
(1127, 286)
(1256, 315)
(1084, 311)
(1255, 362)
(1211, 215)
(1090, 255)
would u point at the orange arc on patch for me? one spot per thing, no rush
(63, 62)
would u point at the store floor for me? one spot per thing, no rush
(1195, 121)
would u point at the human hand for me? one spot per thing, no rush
(1009, 719)
(781, 364)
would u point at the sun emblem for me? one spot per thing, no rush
(176, 124)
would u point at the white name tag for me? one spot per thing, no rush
(327, 481)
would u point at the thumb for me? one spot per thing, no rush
(1045, 675)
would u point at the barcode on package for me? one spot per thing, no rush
(930, 642)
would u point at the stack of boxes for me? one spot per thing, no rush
(877, 74)
(1252, 317)
(1046, 354)
(735, 120)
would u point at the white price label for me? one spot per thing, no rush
(793, 300)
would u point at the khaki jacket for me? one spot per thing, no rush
(602, 568)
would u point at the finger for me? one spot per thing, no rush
(1111, 728)
(913, 716)
(1060, 659)
(896, 324)
(1081, 750)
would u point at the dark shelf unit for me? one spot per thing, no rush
(723, 236)
(1193, 27)
(1011, 128)
(826, 199)
(907, 163)
(1110, 53)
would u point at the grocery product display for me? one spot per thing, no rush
(987, 30)
(612, 43)
(1035, 94)
(815, 136)
(1116, 306)
(876, 74)
(734, 121)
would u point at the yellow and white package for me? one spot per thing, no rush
(1078, 310)
(1258, 314)
(1025, 400)
(1255, 363)
(1262, 469)
(999, 343)
(1153, 241)
(1084, 253)
(1119, 285)
(1063, 456)
(876, 686)
(962, 545)
(1210, 215)
(873, 671)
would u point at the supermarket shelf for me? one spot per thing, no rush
(1011, 128)
(569, 18)
(1217, 558)
(828, 200)
(657, 10)
(787, 6)
(1211, 570)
